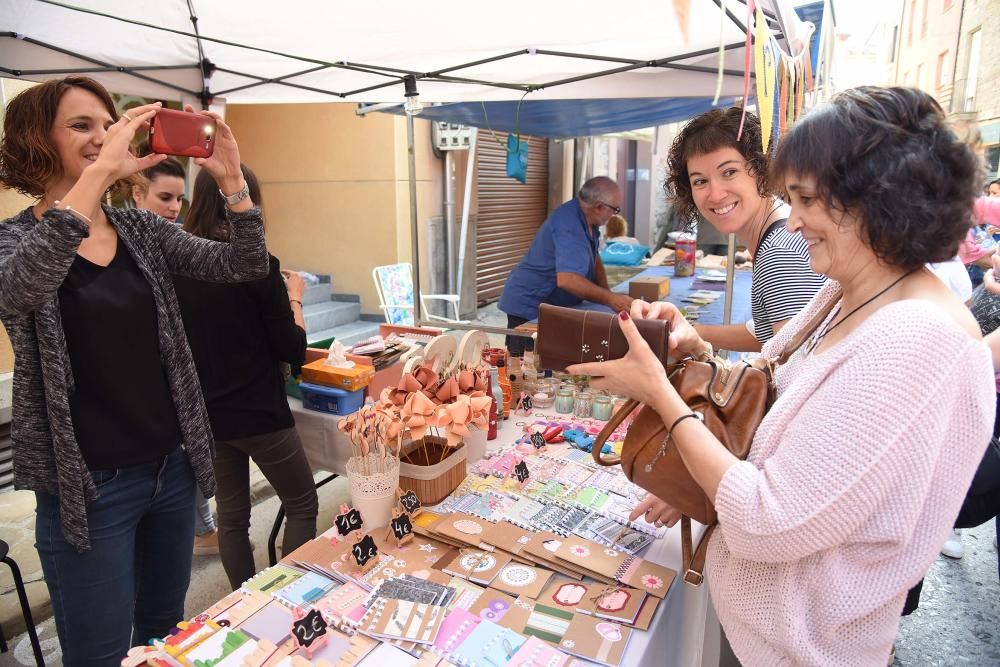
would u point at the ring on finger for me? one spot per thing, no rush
(127, 117)
(659, 524)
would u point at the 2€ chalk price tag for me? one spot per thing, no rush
(309, 628)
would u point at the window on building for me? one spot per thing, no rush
(939, 73)
(972, 73)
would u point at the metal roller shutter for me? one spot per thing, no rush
(509, 212)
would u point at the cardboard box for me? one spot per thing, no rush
(349, 379)
(653, 288)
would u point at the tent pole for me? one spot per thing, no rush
(727, 316)
(466, 198)
(414, 232)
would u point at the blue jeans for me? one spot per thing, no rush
(135, 575)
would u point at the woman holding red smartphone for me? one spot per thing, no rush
(110, 429)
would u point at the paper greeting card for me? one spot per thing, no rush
(520, 511)
(457, 626)
(466, 593)
(502, 609)
(488, 645)
(595, 639)
(623, 538)
(535, 652)
(564, 593)
(226, 648)
(236, 607)
(621, 567)
(548, 517)
(273, 579)
(488, 505)
(617, 603)
(344, 606)
(189, 635)
(383, 654)
(464, 528)
(518, 579)
(542, 548)
(336, 647)
(399, 619)
(548, 622)
(591, 498)
(569, 521)
(272, 623)
(478, 566)
(646, 613)
(507, 536)
(305, 590)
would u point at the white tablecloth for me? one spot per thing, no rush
(685, 631)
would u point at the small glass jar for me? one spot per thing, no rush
(544, 394)
(584, 405)
(565, 400)
(603, 407)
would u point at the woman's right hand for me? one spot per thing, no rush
(655, 511)
(683, 338)
(295, 284)
(116, 161)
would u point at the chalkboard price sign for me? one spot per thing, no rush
(521, 472)
(401, 526)
(538, 440)
(348, 522)
(364, 550)
(410, 502)
(309, 628)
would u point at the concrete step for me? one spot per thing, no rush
(318, 293)
(330, 314)
(348, 334)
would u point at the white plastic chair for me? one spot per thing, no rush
(394, 284)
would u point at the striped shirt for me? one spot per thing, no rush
(783, 281)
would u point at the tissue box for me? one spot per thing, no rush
(349, 379)
(653, 288)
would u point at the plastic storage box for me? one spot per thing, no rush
(330, 399)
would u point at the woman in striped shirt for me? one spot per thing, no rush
(724, 178)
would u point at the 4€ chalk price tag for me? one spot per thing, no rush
(521, 472)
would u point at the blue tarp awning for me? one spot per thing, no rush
(566, 119)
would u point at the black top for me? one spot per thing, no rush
(239, 335)
(121, 407)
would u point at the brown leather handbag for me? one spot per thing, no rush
(731, 400)
(568, 336)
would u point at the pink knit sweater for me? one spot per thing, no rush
(852, 484)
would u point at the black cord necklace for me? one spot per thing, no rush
(821, 334)
(764, 226)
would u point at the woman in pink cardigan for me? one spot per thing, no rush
(858, 470)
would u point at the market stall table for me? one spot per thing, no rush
(685, 629)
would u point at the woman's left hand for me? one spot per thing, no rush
(224, 165)
(639, 374)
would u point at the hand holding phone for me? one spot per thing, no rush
(182, 133)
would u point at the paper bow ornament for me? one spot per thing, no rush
(418, 413)
(456, 417)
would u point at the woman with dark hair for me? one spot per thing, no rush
(109, 428)
(722, 174)
(858, 470)
(161, 189)
(240, 336)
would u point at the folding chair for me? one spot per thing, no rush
(394, 284)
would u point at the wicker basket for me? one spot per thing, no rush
(432, 483)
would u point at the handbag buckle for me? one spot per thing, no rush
(693, 578)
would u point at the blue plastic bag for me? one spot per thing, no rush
(517, 158)
(623, 254)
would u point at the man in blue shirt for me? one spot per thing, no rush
(562, 266)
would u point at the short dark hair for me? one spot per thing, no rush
(28, 160)
(888, 157)
(706, 133)
(595, 188)
(169, 167)
(207, 216)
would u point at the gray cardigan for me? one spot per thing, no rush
(35, 257)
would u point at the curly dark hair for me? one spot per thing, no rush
(706, 133)
(887, 157)
(28, 160)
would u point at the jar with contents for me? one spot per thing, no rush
(583, 407)
(544, 394)
(565, 400)
(603, 407)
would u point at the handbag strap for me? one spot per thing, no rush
(808, 330)
(693, 560)
(609, 428)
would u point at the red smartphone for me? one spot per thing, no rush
(182, 133)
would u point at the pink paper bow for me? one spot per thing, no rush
(418, 413)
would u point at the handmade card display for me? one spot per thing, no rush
(399, 619)
(478, 566)
(502, 609)
(188, 635)
(320, 554)
(488, 645)
(520, 511)
(548, 622)
(305, 590)
(591, 498)
(273, 579)
(569, 521)
(621, 567)
(518, 579)
(466, 593)
(461, 527)
(267, 654)
(616, 603)
(272, 623)
(226, 647)
(534, 653)
(488, 505)
(542, 547)
(235, 608)
(597, 640)
(564, 593)
(505, 535)
(623, 538)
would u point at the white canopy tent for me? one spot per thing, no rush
(321, 51)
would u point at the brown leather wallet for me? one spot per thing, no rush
(567, 336)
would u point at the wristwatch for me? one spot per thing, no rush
(236, 197)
